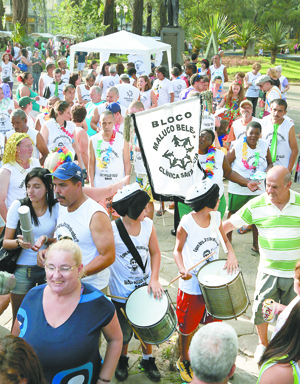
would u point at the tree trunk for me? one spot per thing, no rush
(2, 13)
(109, 16)
(244, 52)
(45, 15)
(273, 56)
(20, 12)
(137, 20)
(163, 15)
(149, 20)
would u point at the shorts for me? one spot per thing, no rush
(28, 276)
(280, 289)
(106, 204)
(80, 66)
(190, 310)
(235, 202)
(125, 327)
(144, 184)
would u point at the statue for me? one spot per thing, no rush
(173, 10)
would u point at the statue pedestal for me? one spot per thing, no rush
(174, 37)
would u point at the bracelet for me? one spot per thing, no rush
(18, 242)
(46, 240)
(104, 380)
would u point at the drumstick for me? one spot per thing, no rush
(199, 262)
(135, 332)
(117, 297)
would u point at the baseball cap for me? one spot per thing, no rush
(246, 102)
(66, 171)
(25, 101)
(113, 107)
(263, 79)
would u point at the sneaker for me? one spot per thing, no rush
(121, 371)
(260, 349)
(184, 367)
(150, 368)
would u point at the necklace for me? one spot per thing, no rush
(245, 153)
(210, 162)
(103, 163)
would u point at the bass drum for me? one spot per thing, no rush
(154, 320)
(225, 295)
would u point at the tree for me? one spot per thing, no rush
(274, 37)
(109, 16)
(137, 21)
(2, 13)
(149, 20)
(20, 12)
(216, 23)
(245, 33)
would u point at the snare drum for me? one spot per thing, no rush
(225, 295)
(153, 319)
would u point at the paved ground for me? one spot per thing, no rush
(247, 370)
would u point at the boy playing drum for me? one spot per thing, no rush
(126, 273)
(196, 238)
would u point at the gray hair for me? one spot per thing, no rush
(96, 88)
(112, 69)
(107, 113)
(90, 76)
(278, 68)
(287, 178)
(18, 113)
(213, 352)
(114, 90)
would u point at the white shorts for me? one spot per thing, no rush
(80, 66)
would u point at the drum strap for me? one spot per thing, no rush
(129, 244)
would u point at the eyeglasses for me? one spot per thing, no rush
(62, 270)
(26, 146)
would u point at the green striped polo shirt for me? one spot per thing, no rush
(279, 232)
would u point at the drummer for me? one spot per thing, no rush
(129, 273)
(197, 236)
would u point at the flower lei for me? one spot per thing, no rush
(245, 153)
(65, 156)
(103, 163)
(70, 135)
(46, 114)
(210, 162)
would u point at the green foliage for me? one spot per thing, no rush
(246, 32)
(274, 37)
(216, 23)
(80, 21)
(19, 35)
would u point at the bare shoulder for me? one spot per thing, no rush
(278, 374)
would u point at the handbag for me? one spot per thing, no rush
(6, 79)
(9, 257)
(23, 67)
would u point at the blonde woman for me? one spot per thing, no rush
(271, 72)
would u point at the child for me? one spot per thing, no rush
(221, 136)
(195, 239)
(130, 203)
(232, 101)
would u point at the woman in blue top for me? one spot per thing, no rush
(280, 361)
(62, 321)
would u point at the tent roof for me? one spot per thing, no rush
(41, 34)
(122, 42)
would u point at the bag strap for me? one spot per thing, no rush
(21, 169)
(129, 244)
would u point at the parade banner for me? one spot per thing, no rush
(168, 137)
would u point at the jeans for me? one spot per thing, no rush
(36, 78)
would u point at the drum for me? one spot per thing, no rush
(225, 295)
(153, 319)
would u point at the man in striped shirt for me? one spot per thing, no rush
(276, 214)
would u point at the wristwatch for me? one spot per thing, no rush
(18, 242)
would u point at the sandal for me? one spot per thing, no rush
(244, 229)
(159, 213)
(254, 250)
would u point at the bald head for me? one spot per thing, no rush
(52, 100)
(278, 184)
(136, 106)
(280, 173)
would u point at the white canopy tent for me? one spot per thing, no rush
(123, 42)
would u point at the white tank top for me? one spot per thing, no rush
(85, 94)
(125, 274)
(7, 71)
(77, 226)
(114, 170)
(146, 98)
(107, 82)
(33, 134)
(5, 123)
(239, 129)
(253, 90)
(58, 138)
(217, 72)
(283, 147)
(238, 166)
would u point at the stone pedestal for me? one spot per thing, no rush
(174, 37)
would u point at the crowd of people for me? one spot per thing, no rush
(62, 133)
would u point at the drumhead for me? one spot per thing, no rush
(213, 275)
(143, 310)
